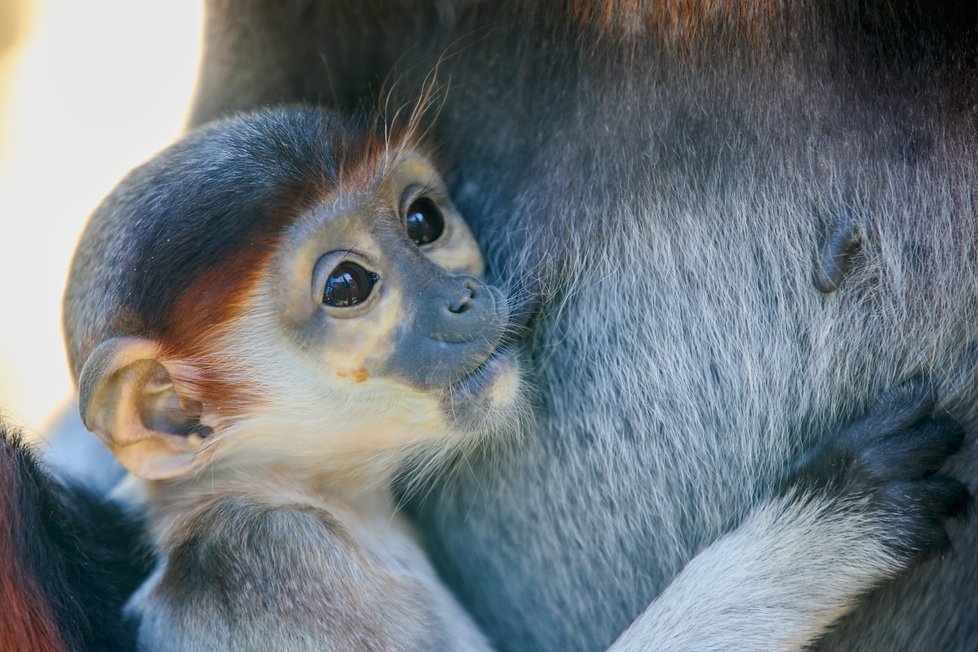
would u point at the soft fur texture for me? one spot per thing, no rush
(269, 565)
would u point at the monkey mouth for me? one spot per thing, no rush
(491, 381)
(481, 380)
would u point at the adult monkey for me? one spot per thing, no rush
(663, 173)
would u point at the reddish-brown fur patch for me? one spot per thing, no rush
(359, 171)
(26, 620)
(676, 20)
(204, 310)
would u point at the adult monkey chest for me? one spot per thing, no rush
(668, 197)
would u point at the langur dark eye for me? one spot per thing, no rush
(348, 285)
(424, 221)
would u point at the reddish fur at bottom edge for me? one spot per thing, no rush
(26, 620)
(679, 20)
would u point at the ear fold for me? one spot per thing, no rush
(128, 398)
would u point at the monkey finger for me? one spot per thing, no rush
(899, 408)
(915, 452)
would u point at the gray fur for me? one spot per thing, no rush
(252, 575)
(671, 201)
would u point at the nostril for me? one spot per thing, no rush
(465, 302)
(459, 307)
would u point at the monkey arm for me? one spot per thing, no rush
(776, 583)
(859, 510)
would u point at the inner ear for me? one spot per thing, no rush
(160, 407)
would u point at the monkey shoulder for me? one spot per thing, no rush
(244, 574)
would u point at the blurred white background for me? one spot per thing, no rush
(87, 91)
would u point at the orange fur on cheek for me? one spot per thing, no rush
(203, 313)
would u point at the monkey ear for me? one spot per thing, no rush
(128, 398)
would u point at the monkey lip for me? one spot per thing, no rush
(482, 378)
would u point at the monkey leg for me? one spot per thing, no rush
(858, 510)
(67, 561)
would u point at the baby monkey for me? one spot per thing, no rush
(279, 312)
(274, 315)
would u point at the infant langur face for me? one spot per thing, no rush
(286, 286)
(375, 323)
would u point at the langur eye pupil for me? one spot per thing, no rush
(348, 285)
(424, 221)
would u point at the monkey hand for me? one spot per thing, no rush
(887, 466)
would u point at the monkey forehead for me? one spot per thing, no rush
(370, 189)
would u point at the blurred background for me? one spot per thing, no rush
(87, 91)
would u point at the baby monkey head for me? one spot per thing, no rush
(286, 287)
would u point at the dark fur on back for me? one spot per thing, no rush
(70, 560)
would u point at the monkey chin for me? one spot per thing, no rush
(490, 398)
